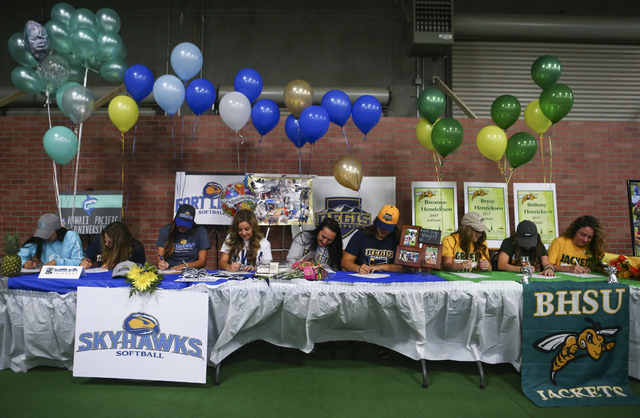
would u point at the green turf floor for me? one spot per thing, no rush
(261, 380)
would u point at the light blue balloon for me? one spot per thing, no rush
(61, 144)
(186, 60)
(168, 91)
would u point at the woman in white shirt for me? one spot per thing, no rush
(245, 247)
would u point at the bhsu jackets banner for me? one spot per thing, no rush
(575, 344)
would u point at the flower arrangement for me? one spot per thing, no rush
(625, 269)
(304, 269)
(143, 279)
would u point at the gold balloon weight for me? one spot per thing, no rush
(348, 172)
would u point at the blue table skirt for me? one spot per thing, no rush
(343, 276)
(98, 279)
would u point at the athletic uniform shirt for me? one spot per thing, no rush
(371, 251)
(563, 252)
(94, 252)
(187, 246)
(529, 255)
(451, 248)
(67, 252)
(300, 248)
(263, 257)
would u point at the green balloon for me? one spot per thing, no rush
(109, 45)
(447, 136)
(62, 12)
(431, 104)
(108, 19)
(61, 144)
(505, 111)
(546, 71)
(19, 52)
(27, 80)
(83, 18)
(521, 148)
(113, 70)
(59, 36)
(85, 44)
(556, 102)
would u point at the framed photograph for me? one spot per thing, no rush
(408, 256)
(431, 256)
(633, 191)
(410, 235)
(489, 200)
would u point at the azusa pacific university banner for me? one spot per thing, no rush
(575, 344)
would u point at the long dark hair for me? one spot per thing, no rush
(236, 243)
(122, 244)
(60, 233)
(372, 229)
(537, 261)
(467, 236)
(598, 243)
(334, 249)
(169, 246)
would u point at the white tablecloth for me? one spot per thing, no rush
(460, 321)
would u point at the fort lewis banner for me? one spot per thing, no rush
(575, 344)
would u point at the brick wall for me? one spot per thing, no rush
(591, 163)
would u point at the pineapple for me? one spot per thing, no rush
(11, 264)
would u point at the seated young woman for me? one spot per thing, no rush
(373, 248)
(244, 248)
(51, 245)
(466, 249)
(183, 243)
(583, 240)
(323, 245)
(114, 245)
(525, 248)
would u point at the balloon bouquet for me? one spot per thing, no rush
(54, 61)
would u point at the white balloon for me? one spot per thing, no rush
(235, 110)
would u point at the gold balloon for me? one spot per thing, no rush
(298, 95)
(348, 172)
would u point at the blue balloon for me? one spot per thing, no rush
(200, 95)
(338, 106)
(186, 60)
(265, 115)
(314, 123)
(168, 91)
(292, 129)
(249, 83)
(139, 80)
(366, 113)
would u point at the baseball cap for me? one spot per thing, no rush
(185, 215)
(47, 225)
(475, 221)
(388, 218)
(121, 269)
(527, 234)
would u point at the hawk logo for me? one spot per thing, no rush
(590, 342)
(141, 324)
(528, 196)
(212, 190)
(478, 193)
(426, 194)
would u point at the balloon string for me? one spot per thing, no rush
(300, 161)
(135, 132)
(55, 185)
(436, 163)
(510, 174)
(500, 168)
(550, 160)
(122, 171)
(49, 111)
(75, 181)
(309, 166)
(344, 134)
(544, 173)
(173, 139)
(257, 154)
(238, 150)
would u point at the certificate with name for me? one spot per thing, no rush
(537, 202)
(435, 206)
(491, 201)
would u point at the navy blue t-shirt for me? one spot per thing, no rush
(371, 251)
(187, 246)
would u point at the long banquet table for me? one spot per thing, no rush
(422, 316)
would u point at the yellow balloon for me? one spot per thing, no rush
(123, 112)
(298, 95)
(492, 142)
(423, 132)
(348, 172)
(535, 119)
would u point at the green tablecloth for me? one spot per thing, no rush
(516, 277)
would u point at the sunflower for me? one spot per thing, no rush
(143, 279)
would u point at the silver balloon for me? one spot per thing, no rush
(78, 103)
(54, 72)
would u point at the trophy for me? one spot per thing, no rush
(527, 273)
(612, 271)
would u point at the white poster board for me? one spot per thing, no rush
(353, 210)
(435, 206)
(537, 202)
(161, 336)
(492, 202)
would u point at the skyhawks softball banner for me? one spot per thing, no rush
(575, 344)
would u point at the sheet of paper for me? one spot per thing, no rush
(470, 275)
(583, 275)
(370, 275)
(29, 271)
(95, 270)
(540, 276)
(168, 272)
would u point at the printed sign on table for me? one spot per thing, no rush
(435, 206)
(489, 200)
(161, 336)
(93, 210)
(575, 344)
(536, 202)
